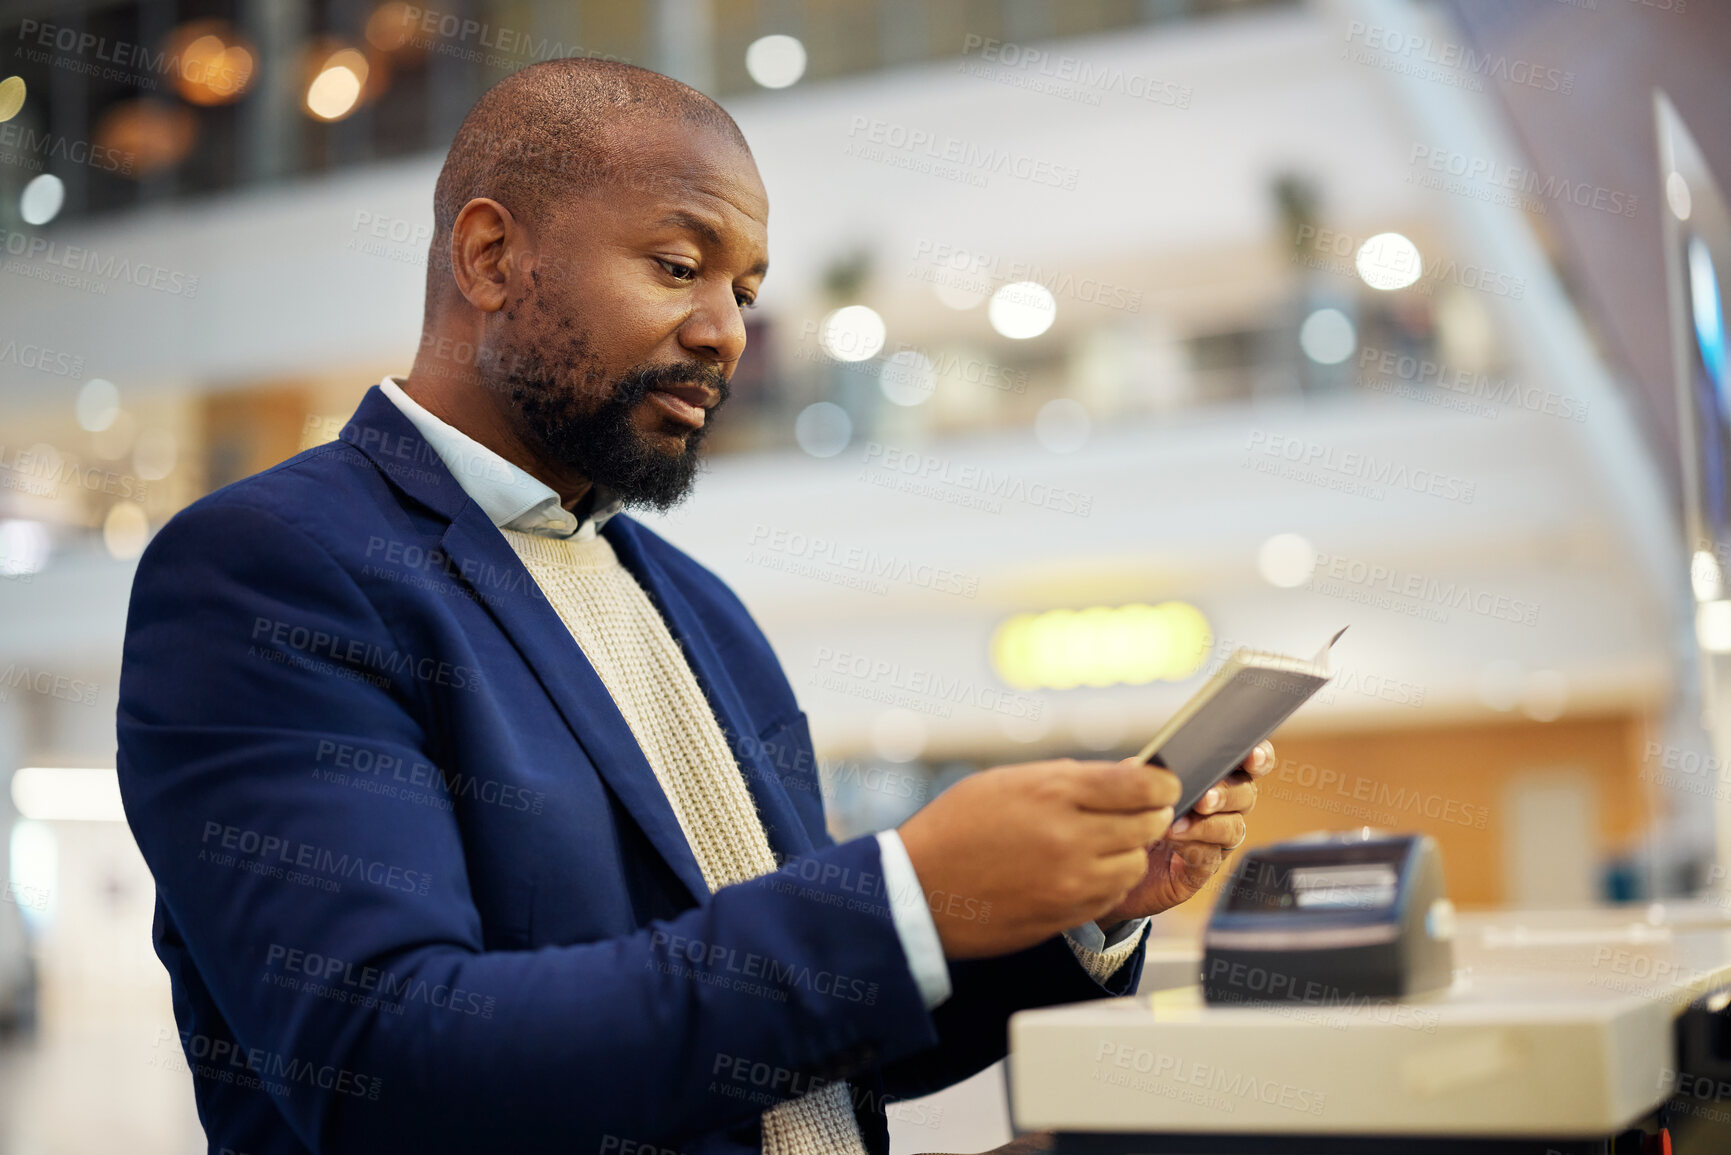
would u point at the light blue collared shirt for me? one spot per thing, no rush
(510, 496)
(514, 499)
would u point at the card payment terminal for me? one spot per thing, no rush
(1331, 919)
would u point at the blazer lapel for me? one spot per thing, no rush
(479, 553)
(787, 833)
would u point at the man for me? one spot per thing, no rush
(484, 819)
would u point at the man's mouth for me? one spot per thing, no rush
(685, 402)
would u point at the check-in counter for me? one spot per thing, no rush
(1561, 1032)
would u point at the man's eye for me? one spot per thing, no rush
(677, 271)
(746, 301)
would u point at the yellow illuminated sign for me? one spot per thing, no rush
(1101, 646)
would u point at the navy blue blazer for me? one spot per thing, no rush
(417, 887)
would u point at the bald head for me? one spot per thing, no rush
(558, 128)
(601, 231)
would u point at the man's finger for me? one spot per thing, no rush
(1223, 830)
(1118, 831)
(1122, 871)
(1237, 792)
(1126, 785)
(1195, 862)
(1260, 761)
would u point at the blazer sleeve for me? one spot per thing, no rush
(247, 645)
(973, 1024)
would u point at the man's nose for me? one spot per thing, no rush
(715, 330)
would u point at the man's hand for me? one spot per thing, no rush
(1181, 863)
(1012, 856)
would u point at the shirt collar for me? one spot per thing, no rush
(511, 497)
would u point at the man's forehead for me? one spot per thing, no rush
(668, 161)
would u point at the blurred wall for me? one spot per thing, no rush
(1603, 134)
(1482, 791)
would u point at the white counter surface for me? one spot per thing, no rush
(1557, 1025)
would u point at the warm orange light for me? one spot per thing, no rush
(211, 63)
(341, 78)
(333, 93)
(11, 97)
(390, 27)
(151, 134)
(353, 60)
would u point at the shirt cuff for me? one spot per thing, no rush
(913, 919)
(1089, 936)
(1101, 954)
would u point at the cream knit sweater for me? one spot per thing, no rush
(623, 636)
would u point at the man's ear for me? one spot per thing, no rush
(485, 240)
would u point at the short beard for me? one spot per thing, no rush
(600, 442)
